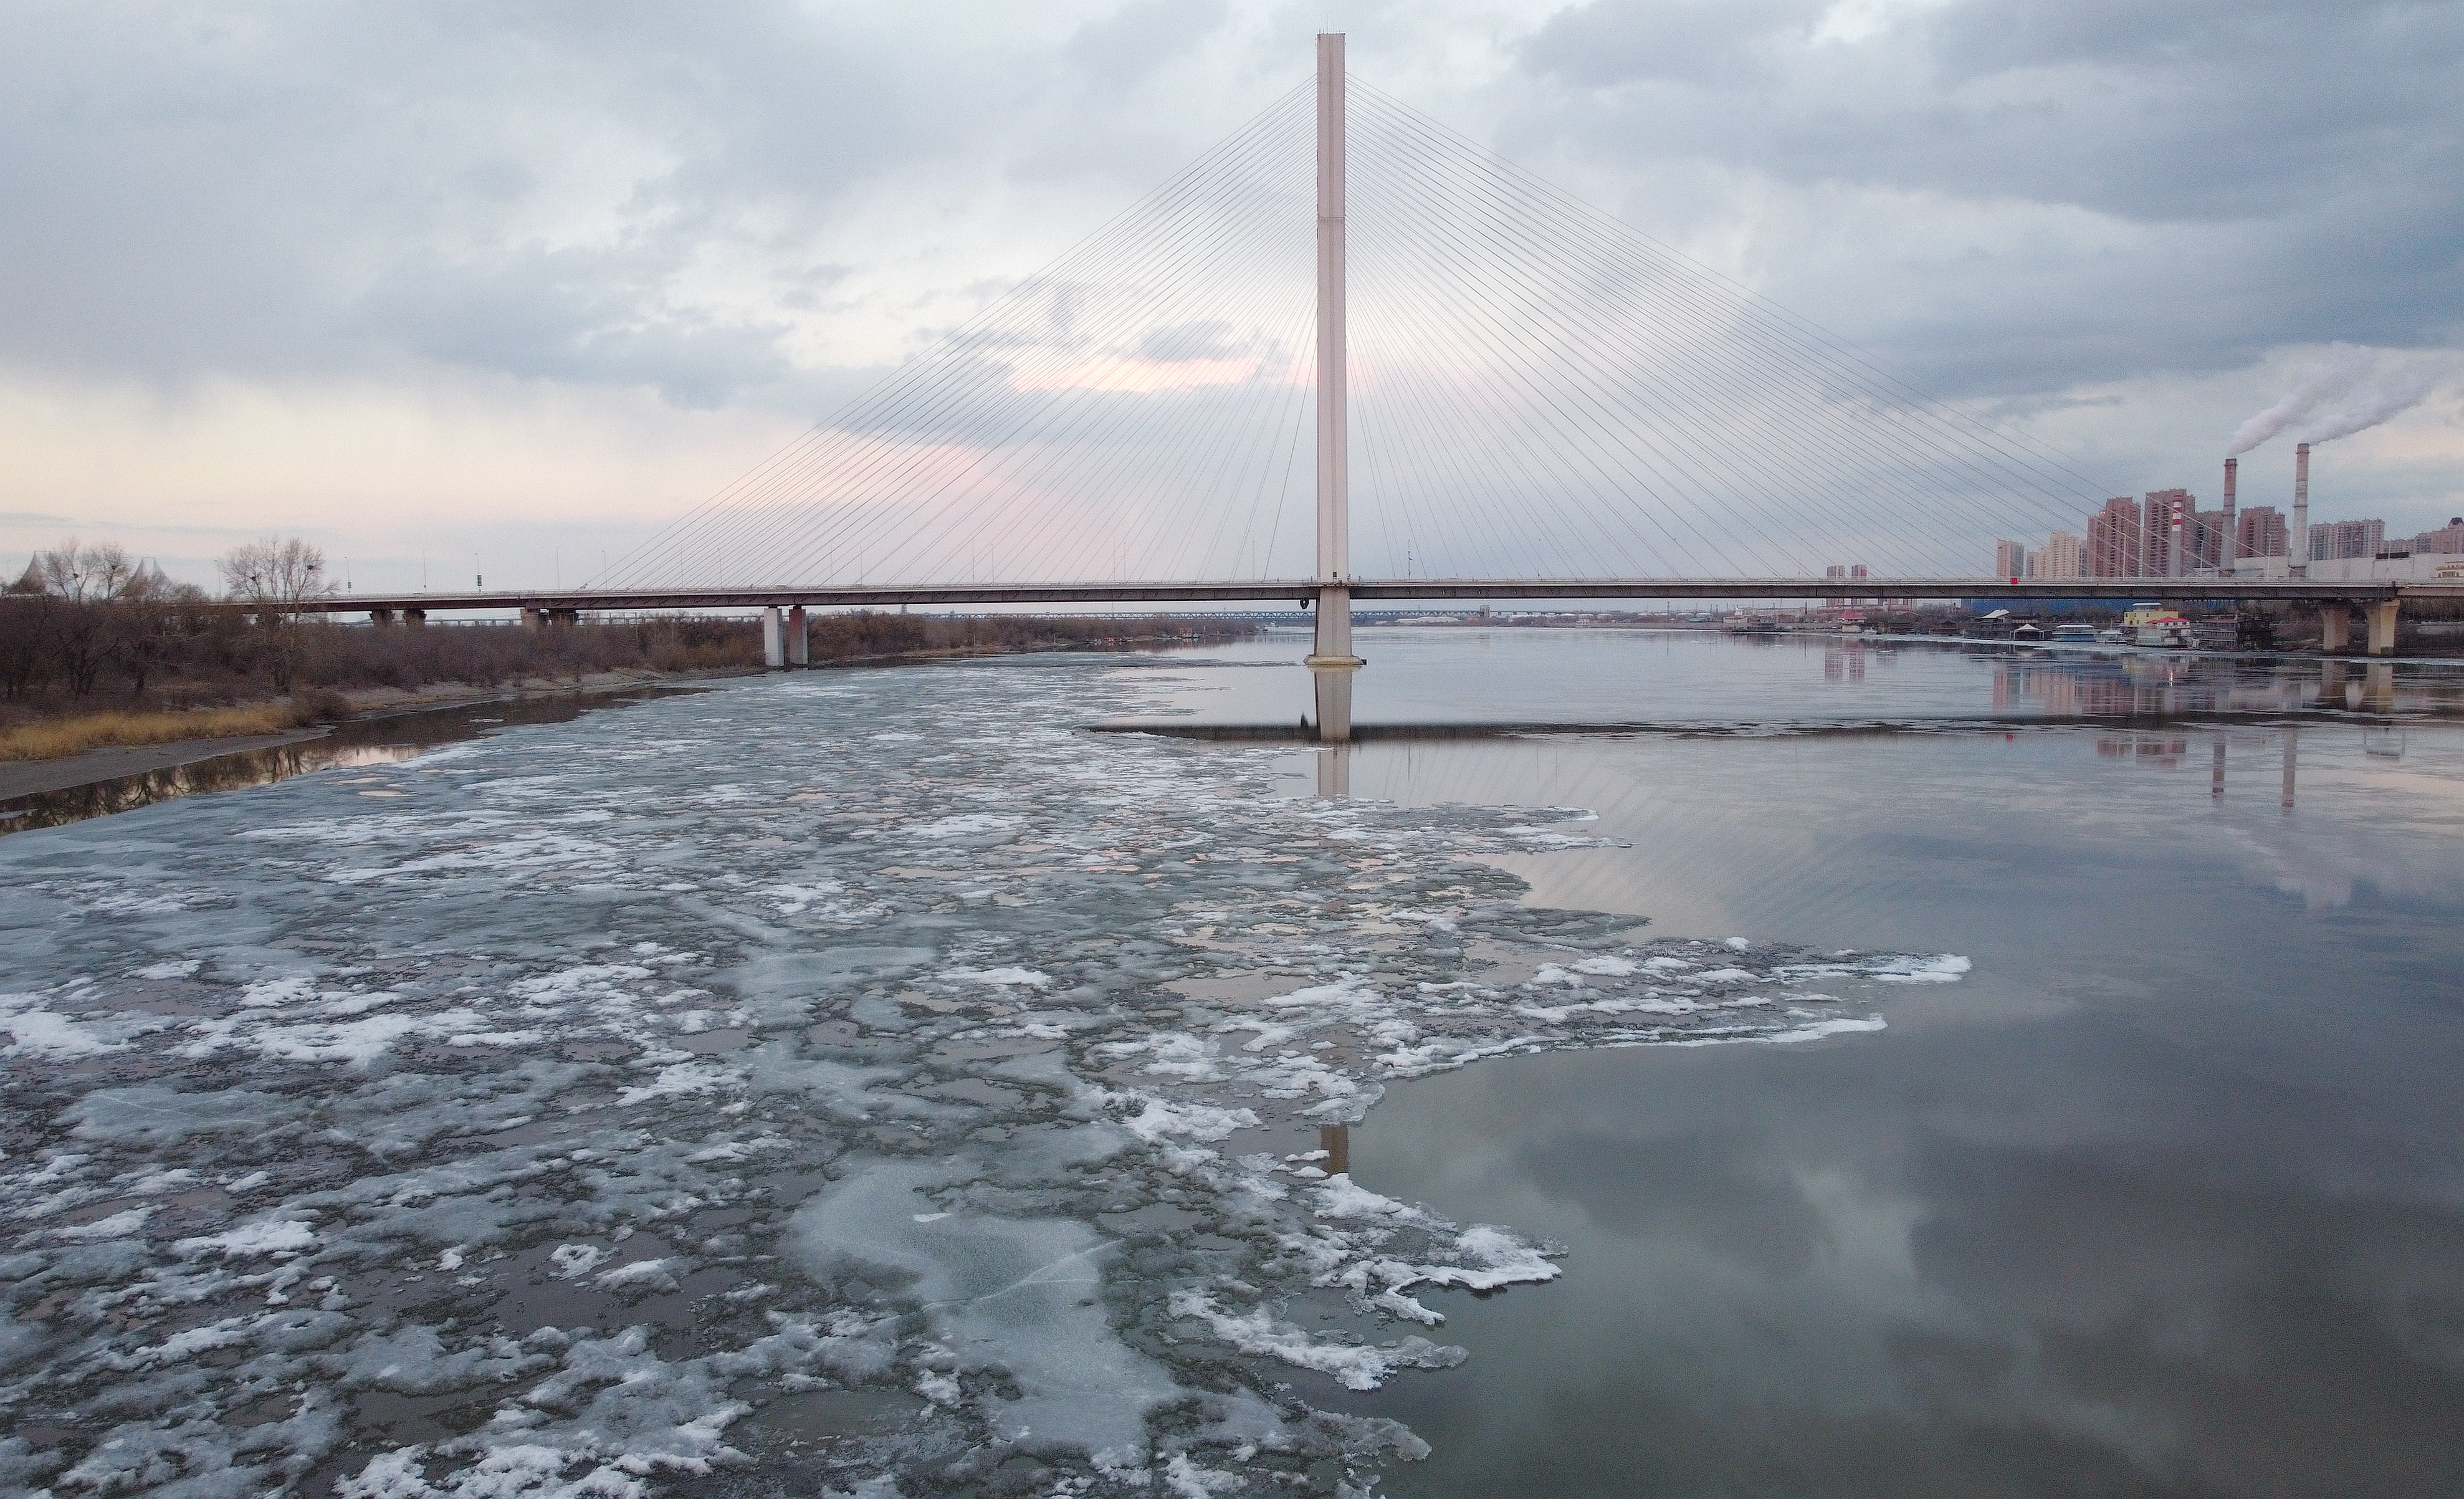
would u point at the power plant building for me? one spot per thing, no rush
(2138, 538)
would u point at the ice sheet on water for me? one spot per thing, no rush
(1013, 1294)
(626, 1082)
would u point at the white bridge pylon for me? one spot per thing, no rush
(1332, 663)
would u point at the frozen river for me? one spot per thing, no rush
(872, 1081)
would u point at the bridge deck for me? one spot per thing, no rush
(2171, 590)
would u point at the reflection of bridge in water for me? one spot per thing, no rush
(1704, 828)
(2179, 686)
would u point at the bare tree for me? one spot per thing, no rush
(27, 620)
(84, 574)
(86, 580)
(144, 630)
(275, 578)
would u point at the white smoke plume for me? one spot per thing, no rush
(2375, 404)
(2314, 385)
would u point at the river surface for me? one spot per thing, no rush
(1897, 1070)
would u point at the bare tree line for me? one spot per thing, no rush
(83, 610)
(83, 617)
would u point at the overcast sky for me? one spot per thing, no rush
(511, 284)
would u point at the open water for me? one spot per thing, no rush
(1895, 1069)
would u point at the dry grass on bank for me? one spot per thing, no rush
(57, 736)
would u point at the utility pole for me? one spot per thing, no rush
(1331, 663)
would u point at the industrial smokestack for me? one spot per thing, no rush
(2296, 546)
(2229, 544)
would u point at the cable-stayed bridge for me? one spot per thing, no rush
(1464, 384)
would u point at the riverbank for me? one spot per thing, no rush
(110, 762)
(385, 722)
(209, 677)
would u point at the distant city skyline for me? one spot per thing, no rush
(2132, 538)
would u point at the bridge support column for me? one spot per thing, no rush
(799, 638)
(774, 640)
(380, 616)
(2382, 618)
(2335, 628)
(414, 619)
(1331, 665)
(534, 619)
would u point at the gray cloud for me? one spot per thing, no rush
(2004, 198)
(1132, 41)
(1701, 42)
(577, 315)
(533, 191)
(2257, 174)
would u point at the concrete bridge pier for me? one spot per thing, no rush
(774, 639)
(2335, 628)
(799, 638)
(413, 619)
(2381, 622)
(381, 616)
(1331, 665)
(544, 618)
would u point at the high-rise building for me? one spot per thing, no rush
(2058, 558)
(2335, 540)
(2113, 539)
(2262, 531)
(2010, 561)
(2207, 540)
(2449, 537)
(2156, 537)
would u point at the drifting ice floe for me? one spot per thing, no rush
(729, 1081)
